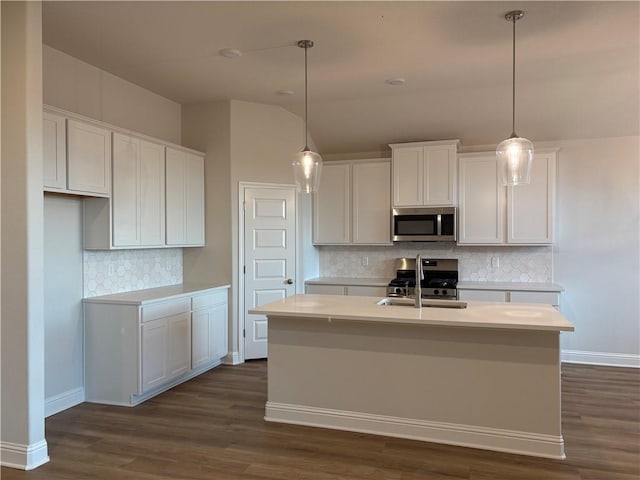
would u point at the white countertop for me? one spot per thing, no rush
(139, 297)
(521, 316)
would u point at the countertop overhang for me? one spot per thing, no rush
(512, 316)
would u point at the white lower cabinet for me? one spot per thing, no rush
(165, 350)
(208, 329)
(512, 296)
(135, 349)
(356, 290)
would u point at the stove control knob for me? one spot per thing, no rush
(398, 290)
(436, 292)
(444, 292)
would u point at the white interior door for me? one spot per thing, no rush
(269, 258)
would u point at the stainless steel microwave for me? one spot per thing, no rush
(425, 224)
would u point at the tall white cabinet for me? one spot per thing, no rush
(424, 173)
(492, 214)
(353, 204)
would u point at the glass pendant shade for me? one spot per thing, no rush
(515, 155)
(307, 168)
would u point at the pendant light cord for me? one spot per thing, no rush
(306, 126)
(513, 82)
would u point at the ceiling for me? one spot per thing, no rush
(577, 63)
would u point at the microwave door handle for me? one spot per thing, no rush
(439, 225)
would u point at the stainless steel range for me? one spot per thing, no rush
(440, 278)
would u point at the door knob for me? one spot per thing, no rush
(289, 281)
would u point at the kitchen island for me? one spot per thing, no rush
(487, 376)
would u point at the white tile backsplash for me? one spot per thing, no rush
(116, 271)
(516, 264)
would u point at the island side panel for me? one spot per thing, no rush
(473, 377)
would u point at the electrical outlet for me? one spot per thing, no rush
(495, 262)
(365, 261)
(111, 269)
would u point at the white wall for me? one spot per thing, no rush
(78, 87)
(597, 254)
(63, 354)
(22, 442)
(244, 142)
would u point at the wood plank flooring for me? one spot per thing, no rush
(212, 428)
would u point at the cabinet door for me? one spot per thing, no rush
(54, 151)
(366, 291)
(201, 334)
(372, 203)
(482, 295)
(481, 212)
(408, 175)
(176, 222)
(530, 207)
(124, 198)
(219, 341)
(178, 344)
(194, 180)
(439, 175)
(332, 206)
(326, 289)
(151, 194)
(154, 354)
(184, 198)
(88, 158)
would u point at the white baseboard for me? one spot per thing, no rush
(601, 358)
(233, 358)
(524, 443)
(62, 401)
(23, 457)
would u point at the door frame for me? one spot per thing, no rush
(242, 188)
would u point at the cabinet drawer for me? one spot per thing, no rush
(483, 295)
(208, 299)
(367, 291)
(550, 298)
(165, 309)
(325, 289)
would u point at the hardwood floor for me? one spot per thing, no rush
(212, 428)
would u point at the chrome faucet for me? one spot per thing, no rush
(419, 277)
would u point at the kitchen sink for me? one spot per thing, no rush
(426, 302)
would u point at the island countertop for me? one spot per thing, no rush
(477, 314)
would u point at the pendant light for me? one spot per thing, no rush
(307, 166)
(515, 154)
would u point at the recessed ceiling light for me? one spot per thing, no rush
(230, 52)
(286, 92)
(395, 81)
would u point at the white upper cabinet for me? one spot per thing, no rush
(371, 202)
(185, 198)
(88, 158)
(332, 205)
(492, 214)
(76, 156)
(530, 208)
(138, 192)
(353, 204)
(481, 210)
(424, 173)
(54, 152)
